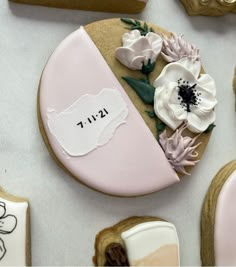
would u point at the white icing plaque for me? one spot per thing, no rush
(13, 219)
(89, 122)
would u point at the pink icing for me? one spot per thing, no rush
(180, 150)
(225, 224)
(132, 162)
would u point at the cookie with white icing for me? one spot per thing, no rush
(119, 6)
(138, 241)
(218, 219)
(14, 231)
(126, 111)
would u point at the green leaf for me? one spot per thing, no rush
(144, 80)
(147, 69)
(135, 27)
(152, 30)
(145, 27)
(128, 21)
(161, 126)
(143, 89)
(151, 114)
(210, 128)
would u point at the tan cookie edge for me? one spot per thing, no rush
(208, 213)
(234, 82)
(114, 6)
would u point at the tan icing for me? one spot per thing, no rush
(164, 256)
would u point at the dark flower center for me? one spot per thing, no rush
(188, 95)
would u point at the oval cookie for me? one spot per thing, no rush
(218, 220)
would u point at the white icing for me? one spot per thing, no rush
(167, 103)
(88, 123)
(145, 238)
(138, 50)
(14, 242)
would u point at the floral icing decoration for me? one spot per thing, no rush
(8, 224)
(176, 47)
(182, 95)
(139, 51)
(180, 150)
(145, 62)
(136, 25)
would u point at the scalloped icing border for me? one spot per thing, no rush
(209, 7)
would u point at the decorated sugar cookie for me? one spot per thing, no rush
(119, 6)
(218, 219)
(138, 241)
(14, 231)
(125, 106)
(209, 7)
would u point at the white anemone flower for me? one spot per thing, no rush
(182, 94)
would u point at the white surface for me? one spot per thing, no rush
(65, 214)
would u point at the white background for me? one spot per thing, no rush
(65, 214)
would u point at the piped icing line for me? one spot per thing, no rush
(61, 85)
(152, 244)
(180, 150)
(225, 221)
(13, 233)
(176, 47)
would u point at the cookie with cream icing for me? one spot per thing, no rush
(14, 231)
(218, 219)
(209, 7)
(119, 6)
(138, 241)
(125, 106)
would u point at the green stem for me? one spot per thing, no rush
(148, 78)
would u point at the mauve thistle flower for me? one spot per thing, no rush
(175, 48)
(180, 150)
